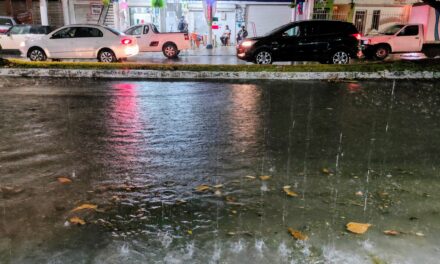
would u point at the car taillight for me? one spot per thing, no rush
(358, 36)
(186, 36)
(126, 41)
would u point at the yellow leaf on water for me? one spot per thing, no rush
(391, 232)
(77, 220)
(202, 188)
(357, 228)
(64, 180)
(325, 171)
(218, 186)
(289, 192)
(265, 177)
(190, 232)
(85, 206)
(297, 234)
(250, 177)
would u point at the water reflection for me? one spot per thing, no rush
(350, 151)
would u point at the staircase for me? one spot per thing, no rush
(107, 17)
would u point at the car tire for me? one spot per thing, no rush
(381, 52)
(37, 54)
(263, 57)
(340, 57)
(170, 50)
(107, 56)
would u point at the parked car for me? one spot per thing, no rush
(420, 35)
(5, 23)
(17, 36)
(313, 40)
(151, 40)
(82, 42)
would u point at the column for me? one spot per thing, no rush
(43, 13)
(66, 14)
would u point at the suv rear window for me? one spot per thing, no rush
(6, 21)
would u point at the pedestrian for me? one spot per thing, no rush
(242, 34)
(226, 36)
(183, 25)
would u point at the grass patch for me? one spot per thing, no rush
(419, 65)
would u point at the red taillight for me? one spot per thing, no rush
(358, 36)
(126, 41)
(186, 36)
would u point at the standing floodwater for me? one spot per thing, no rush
(169, 172)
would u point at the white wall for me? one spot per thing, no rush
(267, 17)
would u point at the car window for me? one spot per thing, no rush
(42, 30)
(137, 30)
(6, 21)
(392, 29)
(146, 29)
(292, 31)
(88, 32)
(154, 29)
(68, 32)
(19, 30)
(311, 29)
(410, 31)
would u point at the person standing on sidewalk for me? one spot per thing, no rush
(183, 25)
(226, 36)
(242, 34)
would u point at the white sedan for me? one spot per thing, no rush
(82, 42)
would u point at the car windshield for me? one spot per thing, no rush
(392, 30)
(5, 21)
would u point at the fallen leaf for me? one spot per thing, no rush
(190, 232)
(297, 234)
(420, 234)
(391, 232)
(289, 192)
(250, 177)
(218, 186)
(357, 228)
(85, 206)
(202, 188)
(325, 171)
(64, 180)
(77, 220)
(264, 177)
(359, 193)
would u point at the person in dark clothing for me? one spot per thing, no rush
(242, 34)
(182, 26)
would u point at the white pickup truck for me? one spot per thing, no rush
(421, 34)
(150, 39)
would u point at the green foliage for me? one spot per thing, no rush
(399, 66)
(105, 2)
(158, 3)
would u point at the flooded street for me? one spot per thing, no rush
(170, 172)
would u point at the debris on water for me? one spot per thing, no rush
(391, 232)
(357, 228)
(250, 177)
(289, 192)
(265, 177)
(9, 191)
(218, 186)
(64, 180)
(76, 220)
(297, 234)
(359, 193)
(85, 206)
(413, 218)
(327, 171)
(218, 193)
(202, 188)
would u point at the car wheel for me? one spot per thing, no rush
(170, 51)
(340, 57)
(37, 54)
(381, 52)
(106, 56)
(263, 57)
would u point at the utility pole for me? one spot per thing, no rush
(43, 13)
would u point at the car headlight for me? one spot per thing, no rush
(247, 43)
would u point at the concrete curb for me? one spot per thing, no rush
(156, 74)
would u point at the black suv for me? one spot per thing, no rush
(313, 40)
